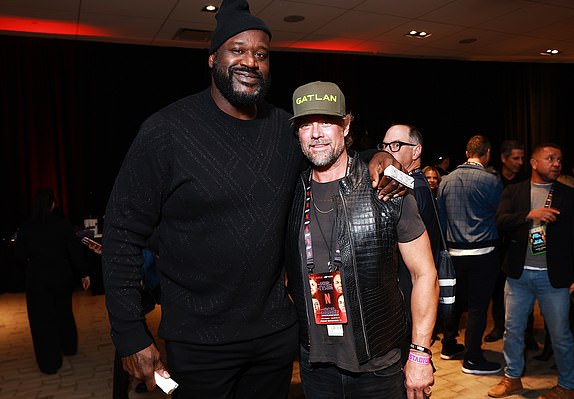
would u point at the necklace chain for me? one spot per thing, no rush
(317, 209)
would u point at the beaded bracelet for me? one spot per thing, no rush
(419, 359)
(420, 349)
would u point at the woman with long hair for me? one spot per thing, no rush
(54, 262)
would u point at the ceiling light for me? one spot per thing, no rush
(418, 35)
(193, 35)
(550, 51)
(293, 18)
(209, 8)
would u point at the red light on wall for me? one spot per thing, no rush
(345, 45)
(46, 26)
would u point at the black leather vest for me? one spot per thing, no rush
(366, 229)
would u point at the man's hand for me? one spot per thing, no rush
(388, 188)
(141, 365)
(86, 283)
(418, 380)
(546, 215)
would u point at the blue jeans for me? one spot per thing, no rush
(554, 303)
(326, 381)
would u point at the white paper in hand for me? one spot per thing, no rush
(401, 177)
(166, 384)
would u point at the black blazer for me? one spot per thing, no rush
(511, 220)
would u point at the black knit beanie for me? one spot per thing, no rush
(234, 17)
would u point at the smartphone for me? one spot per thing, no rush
(93, 245)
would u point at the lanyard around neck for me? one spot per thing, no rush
(549, 197)
(307, 222)
(547, 203)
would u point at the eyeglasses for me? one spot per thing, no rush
(394, 146)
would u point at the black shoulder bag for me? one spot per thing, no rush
(446, 276)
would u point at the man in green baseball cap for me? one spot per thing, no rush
(323, 98)
(215, 168)
(350, 257)
(322, 101)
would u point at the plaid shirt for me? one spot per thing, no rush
(468, 198)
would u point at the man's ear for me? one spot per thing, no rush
(347, 127)
(533, 163)
(417, 151)
(210, 59)
(346, 131)
(487, 155)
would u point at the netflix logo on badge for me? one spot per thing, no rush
(328, 298)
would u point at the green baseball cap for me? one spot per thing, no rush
(318, 98)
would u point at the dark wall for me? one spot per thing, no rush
(70, 109)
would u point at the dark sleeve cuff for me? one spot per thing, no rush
(131, 340)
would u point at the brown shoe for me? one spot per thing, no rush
(558, 393)
(506, 387)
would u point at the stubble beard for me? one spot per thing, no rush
(325, 158)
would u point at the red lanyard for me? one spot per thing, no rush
(307, 221)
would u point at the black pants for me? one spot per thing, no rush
(498, 301)
(256, 369)
(120, 380)
(475, 280)
(330, 382)
(52, 325)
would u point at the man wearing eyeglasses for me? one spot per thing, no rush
(468, 198)
(405, 142)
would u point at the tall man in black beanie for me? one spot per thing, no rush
(213, 174)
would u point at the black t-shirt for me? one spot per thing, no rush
(341, 350)
(520, 176)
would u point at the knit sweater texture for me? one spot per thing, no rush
(217, 190)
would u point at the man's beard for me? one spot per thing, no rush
(324, 158)
(224, 82)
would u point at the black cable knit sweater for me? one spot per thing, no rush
(218, 191)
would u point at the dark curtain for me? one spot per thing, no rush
(538, 100)
(70, 109)
(39, 123)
